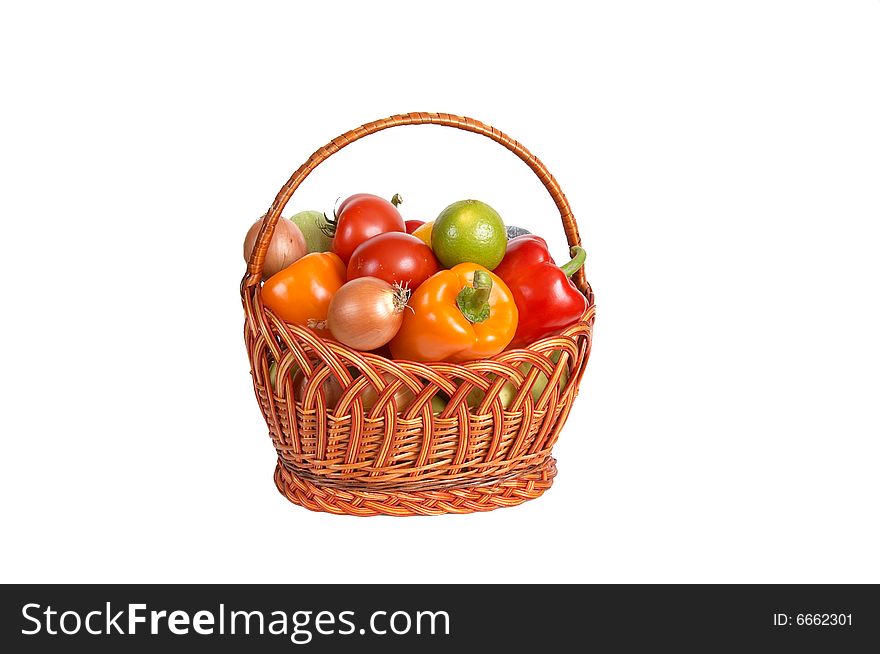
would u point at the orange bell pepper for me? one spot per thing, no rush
(302, 291)
(457, 315)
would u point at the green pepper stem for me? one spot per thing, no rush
(473, 301)
(580, 255)
(482, 286)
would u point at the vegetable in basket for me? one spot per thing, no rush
(457, 315)
(302, 291)
(287, 245)
(313, 225)
(333, 391)
(360, 217)
(331, 386)
(365, 313)
(396, 257)
(423, 232)
(508, 392)
(547, 299)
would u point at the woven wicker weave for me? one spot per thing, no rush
(409, 460)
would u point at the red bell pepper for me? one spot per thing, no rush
(548, 301)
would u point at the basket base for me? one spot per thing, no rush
(509, 492)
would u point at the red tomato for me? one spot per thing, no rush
(413, 225)
(394, 257)
(360, 217)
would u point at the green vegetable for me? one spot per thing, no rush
(508, 391)
(438, 403)
(273, 374)
(313, 225)
(541, 382)
(506, 395)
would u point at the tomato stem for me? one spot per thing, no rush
(579, 257)
(397, 199)
(330, 224)
(473, 301)
(328, 229)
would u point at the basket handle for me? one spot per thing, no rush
(255, 265)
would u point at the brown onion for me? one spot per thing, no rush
(287, 245)
(331, 387)
(366, 312)
(403, 396)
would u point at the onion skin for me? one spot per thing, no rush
(333, 392)
(331, 387)
(403, 397)
(366, 313)
(287, 245)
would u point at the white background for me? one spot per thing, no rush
(723, 160)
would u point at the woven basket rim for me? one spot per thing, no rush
(540, 345)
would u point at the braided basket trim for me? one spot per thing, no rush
(506, 493)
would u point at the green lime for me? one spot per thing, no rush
(469, 230)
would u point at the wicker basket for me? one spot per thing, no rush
(409, 460)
